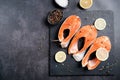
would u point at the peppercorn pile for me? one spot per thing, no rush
(55, 16)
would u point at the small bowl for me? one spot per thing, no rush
(55, 16)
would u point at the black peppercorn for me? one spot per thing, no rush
(55, 16)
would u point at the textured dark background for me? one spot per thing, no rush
(24, 38)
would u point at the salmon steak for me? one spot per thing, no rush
(89, 33)
(100, 42)
(72, 23)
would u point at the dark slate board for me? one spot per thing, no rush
(70, 66)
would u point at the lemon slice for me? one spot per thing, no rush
(60, 56)
(85, 4)
(102, 54)
(100, 24)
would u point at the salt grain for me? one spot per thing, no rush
(62, 3)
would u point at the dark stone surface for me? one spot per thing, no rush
(70, 66)
(24, 38)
